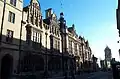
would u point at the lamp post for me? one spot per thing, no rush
(46, 62)
(62, 29)
(62, 56)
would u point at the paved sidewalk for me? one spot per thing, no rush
(83, 74)
(62, 77)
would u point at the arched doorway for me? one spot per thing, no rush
(6, 66)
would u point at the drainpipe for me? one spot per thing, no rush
(1, 29)
(2, 21)
(19, 70)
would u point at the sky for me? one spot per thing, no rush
(93, 19)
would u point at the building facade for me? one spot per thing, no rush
(33, 45)
(10, 20)
(108, 57)
(102, 64)
(95, 66)
(118, 17)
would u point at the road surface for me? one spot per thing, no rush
(96, 75)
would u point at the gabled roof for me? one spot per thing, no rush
(32, 1)
(25, 9)
(72, 30)
(35, 1)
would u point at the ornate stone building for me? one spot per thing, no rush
(108, 57)
(34, 45)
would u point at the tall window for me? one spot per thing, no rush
(36, 39)
(55, 44)
(13, 2)
(36, 21)
(70, 46)
(55, 31)
(28, 36)
(9, 36)
(40, 39)
(80, 52)
(34, 36)
(52, 29)
(11, 17)
(86, 55)
(58, 45)
(75, 48)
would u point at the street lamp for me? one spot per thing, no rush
(62, 25)
(62, 56)
(46, 63)
(46, 59)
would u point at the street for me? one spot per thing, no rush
(96, 75)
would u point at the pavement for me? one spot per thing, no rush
(95, 75)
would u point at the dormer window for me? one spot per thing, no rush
(13, 2)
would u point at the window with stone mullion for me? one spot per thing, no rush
(11, 17)
(40, 39)
(70, 46)
(79, 50)
(58, 45)
(75, 48)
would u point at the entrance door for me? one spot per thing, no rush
(6, 66)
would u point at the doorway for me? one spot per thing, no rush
(6, 66)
